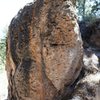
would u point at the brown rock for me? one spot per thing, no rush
(44, 51)
(88, 85)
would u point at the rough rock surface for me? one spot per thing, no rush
(88, 85)
(88, 82)
(44, 51)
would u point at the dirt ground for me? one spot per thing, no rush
(3, 85)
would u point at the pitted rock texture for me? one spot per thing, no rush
(44, 51)
(88, 85)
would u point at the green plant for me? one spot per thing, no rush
(2, 52)
(88, 10)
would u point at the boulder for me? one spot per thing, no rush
(44, 51)
(90, 32)
(88, 84)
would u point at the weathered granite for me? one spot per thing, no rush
(44, 51)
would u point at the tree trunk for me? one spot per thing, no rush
(44, 51)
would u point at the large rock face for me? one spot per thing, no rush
(44, 51)
(88, 85)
